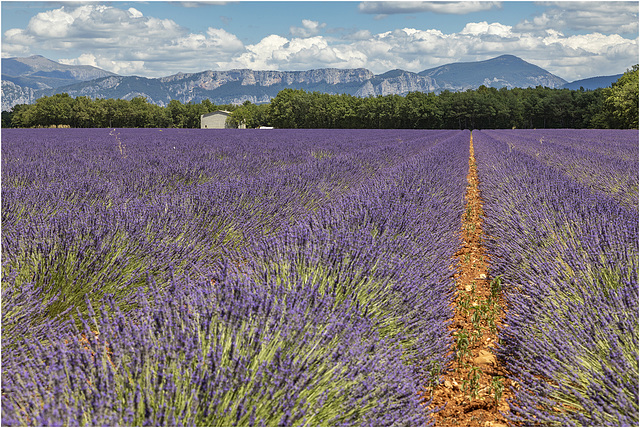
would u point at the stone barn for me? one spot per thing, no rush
(214, 120)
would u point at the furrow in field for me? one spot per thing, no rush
(474, 388)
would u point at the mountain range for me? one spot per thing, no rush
(26, 79)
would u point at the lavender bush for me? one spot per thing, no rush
(279, 278)
(567, 256)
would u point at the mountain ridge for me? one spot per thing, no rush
(591, 83)
(506, 70)
(39, 72)
(36, 76)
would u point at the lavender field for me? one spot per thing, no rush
(304, 277)
(172, 277)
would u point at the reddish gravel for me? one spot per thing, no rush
(475, 387)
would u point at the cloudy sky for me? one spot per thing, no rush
(573, 40)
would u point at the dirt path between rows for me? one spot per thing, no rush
(475, 387)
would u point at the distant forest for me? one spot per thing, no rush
(482, 108)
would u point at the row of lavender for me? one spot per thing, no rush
(171, 277)
(566, 251)
(606, 161)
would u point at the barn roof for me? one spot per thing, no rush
(225, 112)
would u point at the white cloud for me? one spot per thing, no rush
(595, 16)
(223, 40)
(594, 43)
(16, 42)
(444, 7)
(55, 23)
(121, 41)
(494, 29)
(260, 55)
(279, 53)
(359, 35)
(127, 67)
(84, 59)
(309, 28)
(135, 13)
(570, 57)
(99, 21)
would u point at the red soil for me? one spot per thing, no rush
(475, 387)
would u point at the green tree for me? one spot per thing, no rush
(23, 116)
(6, 119)
(252, 115)
(178, 114)
(285, 110)
(193, 112)
(208, 106)
(83, 113)
(621, 101)
(53, 110)
(343, 109)
(483, 108)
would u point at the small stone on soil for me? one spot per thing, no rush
(485, 358)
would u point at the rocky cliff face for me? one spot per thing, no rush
(398, 82)
(35, 77)
(221, 87)
(13, 94)
(210, 80)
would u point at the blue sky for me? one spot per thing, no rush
(571, 39)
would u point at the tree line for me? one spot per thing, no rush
(84, 112)
(482, 108)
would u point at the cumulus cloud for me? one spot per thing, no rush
(84, 59)
(445, 7)
(570, 57)
(123, 67)
(121, 41)
(495, 29)
(93, 22)
(279, 53)
(135, 13)
(223, 40)
(261, 54)
(602, 17)
(359, 35)
(309, 28)
(16, 41)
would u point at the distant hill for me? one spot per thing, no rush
(26, 79)
(593, 82)
(504, 71)
(38, 72)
